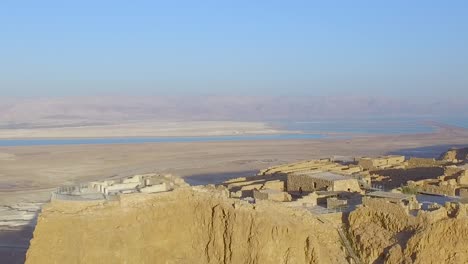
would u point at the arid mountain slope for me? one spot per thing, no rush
(73, 111)
(183, 226)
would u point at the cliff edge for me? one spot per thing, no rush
(183, 226)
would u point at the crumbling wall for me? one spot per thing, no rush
(351, 185)
(306, 183)
(437, 189)
(395, 178)
(424, 162)
(272, 195)
(387, 161)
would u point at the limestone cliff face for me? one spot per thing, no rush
(383, 233)
(183, 226)
(445, 241)
(374, 228)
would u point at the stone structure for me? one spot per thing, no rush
(333, 203)
(381, 162)
(272, 195)
(320, 165)
(424, 162)
(244, 186)
(409, 202)
(309, 182)
(161, 187)
(309, 200)
(447, 185)
(100, 190)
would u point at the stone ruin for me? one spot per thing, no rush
(110, 189)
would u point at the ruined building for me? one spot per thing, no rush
(326, 181)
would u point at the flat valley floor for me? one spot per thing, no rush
(29, 174)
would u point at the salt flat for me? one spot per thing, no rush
(136, 129)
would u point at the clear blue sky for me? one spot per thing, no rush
(58, 48)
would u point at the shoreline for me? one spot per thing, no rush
(145, 130)
(197, 129)
(266, 133)
(221, 137)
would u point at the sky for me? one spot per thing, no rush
(242, 47)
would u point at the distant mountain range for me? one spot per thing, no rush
(15, 111)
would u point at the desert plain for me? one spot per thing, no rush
(28, 174)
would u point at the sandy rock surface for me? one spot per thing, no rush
(183, 226)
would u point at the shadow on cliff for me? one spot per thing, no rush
(426, 152)
(216, 178)
(14, 243)
(395, 178)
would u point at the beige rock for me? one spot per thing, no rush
(379, 232)
(182, 226)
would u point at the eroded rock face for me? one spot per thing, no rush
(375, 228)
(382, 232)
(183, 226)
(445, 241)
(455, 154)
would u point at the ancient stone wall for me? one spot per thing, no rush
(333, 203)
(366, 163)
(424, 162)
(274, 185)
(306, 183)
(372, 163)
(81, 198)
(394, 160)
(272, 195)
(436, 189)
(395, 178)
(350, 185)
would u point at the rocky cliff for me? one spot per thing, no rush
(183, 226)
(383, 232)
(455, 155)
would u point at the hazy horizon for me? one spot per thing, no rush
(237, 108)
